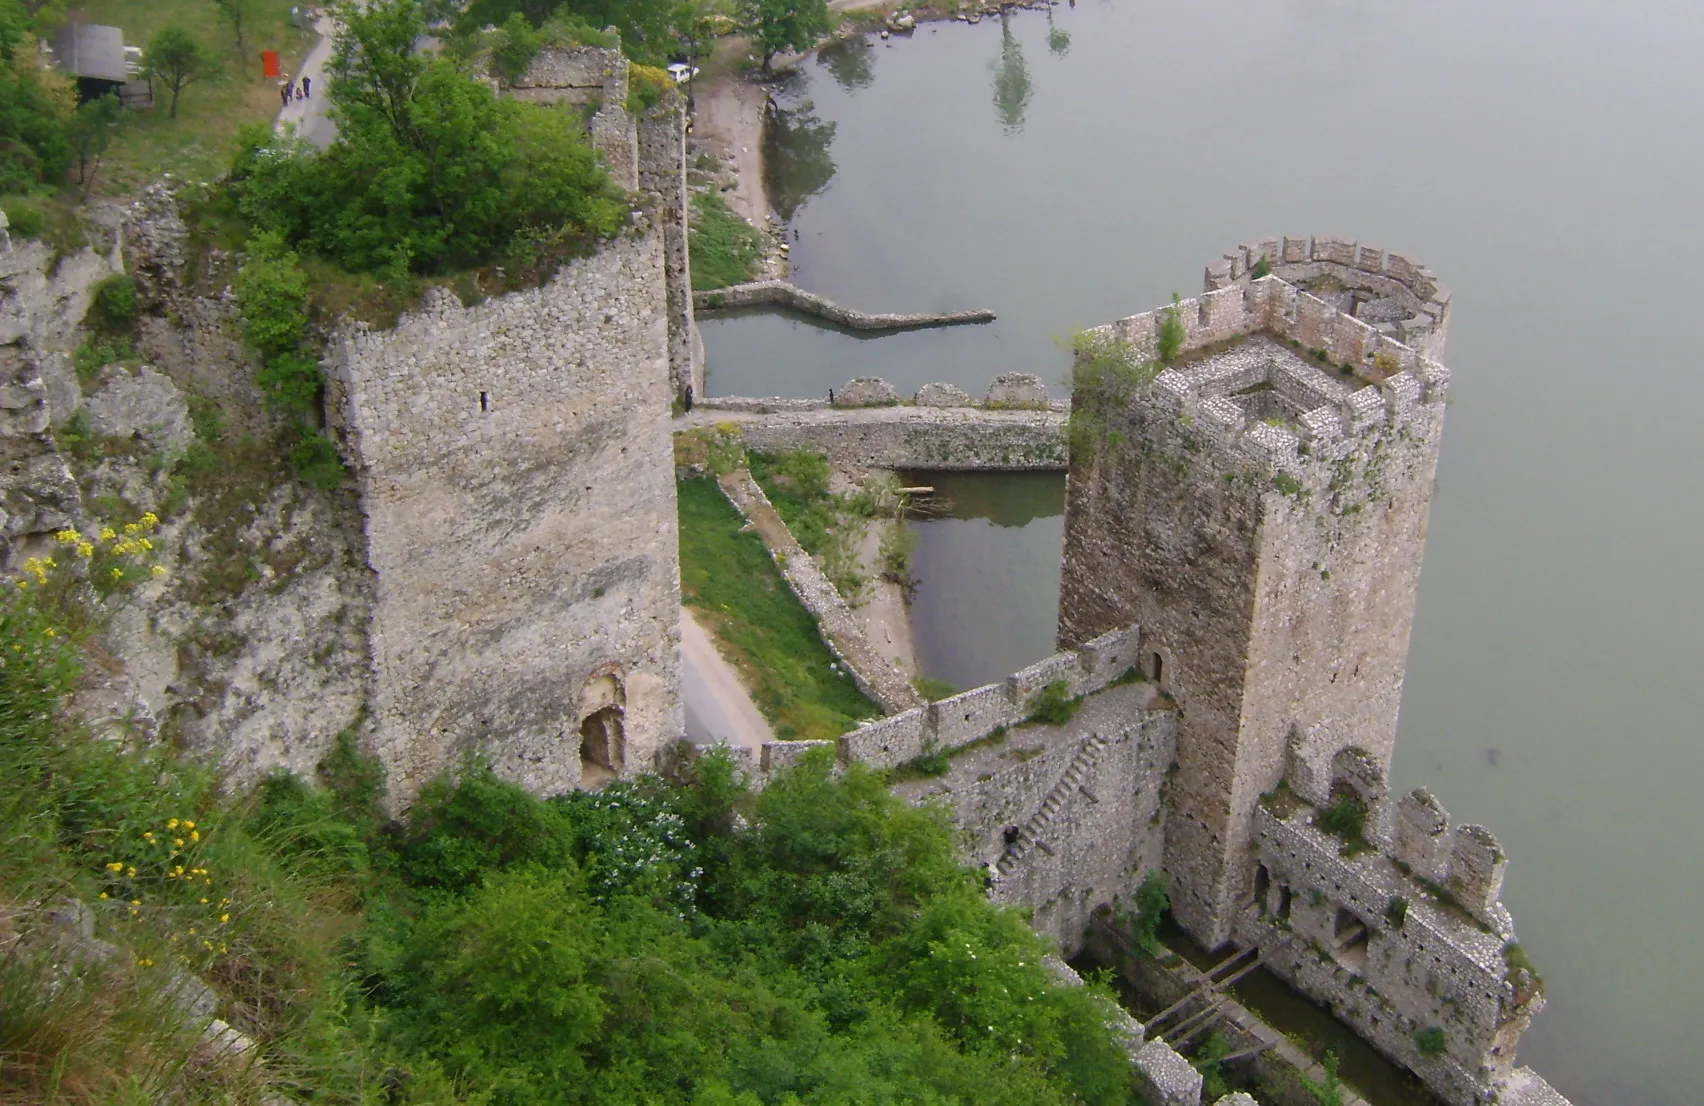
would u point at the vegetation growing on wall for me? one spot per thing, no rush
(831, 525)
(1106, 374)
(726, 573)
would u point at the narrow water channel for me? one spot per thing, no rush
(987, 573)
(1544, 159)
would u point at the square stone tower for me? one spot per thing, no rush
(1259, 508)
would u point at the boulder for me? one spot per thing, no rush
(144, 404)
(1017, 390)
(943, 395)
(866, 391)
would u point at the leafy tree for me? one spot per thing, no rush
(430, 170)
(779, 25)
(238, 14)
(91, 133)
(178, 59)
(34, 148)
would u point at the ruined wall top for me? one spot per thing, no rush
(1328, 377)
(1391, 292)
(573, 75)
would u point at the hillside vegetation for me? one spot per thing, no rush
(655, 943)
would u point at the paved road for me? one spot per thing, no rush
(718, 707)
(312, 117)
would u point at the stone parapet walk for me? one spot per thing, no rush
(903, 437)
(839, 630)
(780, 293)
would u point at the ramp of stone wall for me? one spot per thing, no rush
(840, 631)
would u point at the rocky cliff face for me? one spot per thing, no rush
(252, 648)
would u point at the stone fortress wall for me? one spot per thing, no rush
(1261, 514)
(516, 478)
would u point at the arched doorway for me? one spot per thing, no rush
(603, 744)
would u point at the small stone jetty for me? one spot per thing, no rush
(781, 293)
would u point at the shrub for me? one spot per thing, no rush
(1431, 1042)
(515, 47)
(1346, 819)
(1106, 374)
(316, 461)
(92, 356)
(1152, 904)
(646, 87)
(115, 305)
(1173, 333)
(1262, 268)
(1397, 912)
(1053, 705)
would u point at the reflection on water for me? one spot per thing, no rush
(987, 575)
(849, 62)
(796, 161)
(1012, 89)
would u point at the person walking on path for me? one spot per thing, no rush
(284, 92)
(307, 84)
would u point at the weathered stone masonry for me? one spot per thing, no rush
(1262, 516)
(516, 477)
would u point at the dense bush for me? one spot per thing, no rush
(656, 944)
(35, 148)
(114, 305)
(430, 171)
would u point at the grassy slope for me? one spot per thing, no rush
(725, 248)
(769, 637)
(196, 145)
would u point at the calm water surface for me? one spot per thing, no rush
(1545, 159)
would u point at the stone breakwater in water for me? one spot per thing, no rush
(839, 630)
(780, 293)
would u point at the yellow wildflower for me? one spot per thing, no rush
(67, 537)
(150, 519)
(158, 571)
(51, 632)
(203, 902)
(103, 894)
(177, 842)
(187, 824)
(85, 550)
(195, 835)
(115, 866)
(146, 545)
(135, 902)
(171, 823)
(117, 573)
(132, 527)
(108, 533)
(224, 918)
(132, 873)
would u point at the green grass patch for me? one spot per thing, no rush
(726, 572)
(197, 144)
(725, 248)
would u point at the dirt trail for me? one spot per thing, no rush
(729, 119)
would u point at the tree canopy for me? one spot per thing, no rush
(779, 25)
(34, 146)
(431, 170)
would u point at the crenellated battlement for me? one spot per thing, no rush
(1279, 373)
(1391, 292)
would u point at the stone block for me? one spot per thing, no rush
(1219, 274)
(890, 741)
(866, 391)
(1337, 251)
(943, 395)
(1025, 682)
(780, 754)
(1106, 658)
(1369, 259)
(1477, 865)
(1422, 834)
(1017, 390)
(1297, 251)
(972, 715)
(1164, 1078)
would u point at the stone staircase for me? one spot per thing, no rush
(1033, 832)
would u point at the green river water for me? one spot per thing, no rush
(1545, 160)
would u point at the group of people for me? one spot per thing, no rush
(295, 90)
